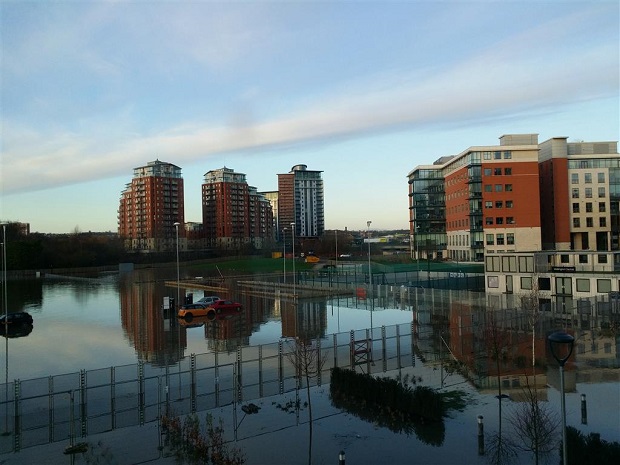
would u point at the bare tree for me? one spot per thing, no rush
(308, 361)
(535, 426)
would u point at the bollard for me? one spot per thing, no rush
(341, 458)
(480, 435)
(584, 410)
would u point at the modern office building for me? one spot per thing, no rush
(535, 213)
(300, 201)
(233, 213)
(149, 208)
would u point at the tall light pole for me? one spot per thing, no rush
(6, 332)
(294, 277)
(368, 223)
(557, 341)
(284, 253)
(336, 236)
(176, 225)
(417, 251)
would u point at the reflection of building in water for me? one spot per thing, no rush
(304, 319)
(228, 330)
(157, 340)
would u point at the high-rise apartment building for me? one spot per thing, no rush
(233, 213)
(300, 201)
(477, 202)
(149, 208)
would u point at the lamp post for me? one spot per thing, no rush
(284, 253)
(6, 332)
(561, 343)
(368, 223)
(176, 225)
(417, 251)
(294, 277)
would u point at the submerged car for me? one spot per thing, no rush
(15, 325)
(190, 311)
(208, 300)
(16, 318)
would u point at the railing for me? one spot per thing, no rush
(63, 407)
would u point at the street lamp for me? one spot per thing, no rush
(561, 343)
(294, 277)
(417, 251)
(176, 225)
(284, 253)
(368, 223)
(6, 332)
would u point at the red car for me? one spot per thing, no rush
(191, 310)
(223, 305)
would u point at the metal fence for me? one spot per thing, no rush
(68, 406)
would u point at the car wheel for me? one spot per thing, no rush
(189, 317)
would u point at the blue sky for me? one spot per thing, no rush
(362, 90)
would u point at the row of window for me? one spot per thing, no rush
(497, 155)
(602, 222)
(489, 220)
(587, 178)
(602, 207)
(497, 171)
(498, 187)
(498, 204)
(587, 192)
(498, 239)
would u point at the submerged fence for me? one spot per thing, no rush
(64, 407)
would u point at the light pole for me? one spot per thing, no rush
(294, 277)
(561, 343)
(336, 237)
(284, 253)
(176, 225)
(417, 251)
(368, 223)
(6, 332)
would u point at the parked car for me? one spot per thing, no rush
(208, 300)
(225, 305)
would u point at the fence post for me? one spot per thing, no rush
(280, 367)
(216, 378)
(260, 370)
(192, 387)
(480, 435)
(71, 418)
(384, 349)
(141, 392)
(318, 362)
(335, 343)
(239, 376)
(16, 401)
(352, 349)
(113, 396)
(83, 404)
(399, 366)
(50, 392)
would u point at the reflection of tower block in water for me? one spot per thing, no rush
(361, 352)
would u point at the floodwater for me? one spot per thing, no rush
(86, 324)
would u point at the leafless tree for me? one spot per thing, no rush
(535, 426)
(308, 361)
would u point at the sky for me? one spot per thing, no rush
(363, 91)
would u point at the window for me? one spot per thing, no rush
(508, 171)
(602, 222)
(544, 284)
(575, 193)
(488, 188)
(499, 204)
(602, 258)
(589, 222)
(508, 203)
(500, 239)
(602, 207)
(583, 258)
(576, 223)
(588, 192)
(603, 286)
(493, 281)
(487, 171)
(490, 240)
(574, 178)
(488, 204)
(564, 258)
(497, 171)
(497, 155)
(575, 207)
(508, 187)
(499, 220)
(510, 220)
(526, 282)
(601, 177)
(583, 285)
(510, 238)
(588, 207)
(488, 220)
(498, 187)
(601, 192)
(507, 155)
(588, 178)
(487, 155)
